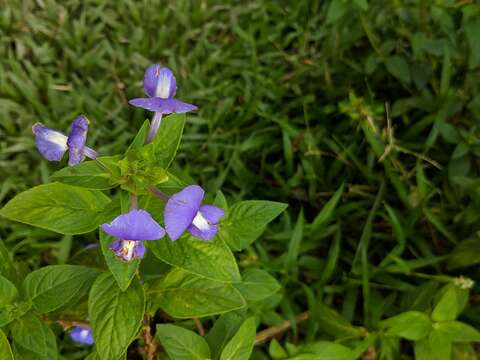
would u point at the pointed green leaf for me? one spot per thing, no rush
(211, 259)
(5, 350)
(8, 292)
(58, 207)
(122, 271)
(257, 285)
(410, 325)
(116, 316)
(222, 331)
(246, 221)
(161, 151)
(140, 138)
(7, 269)
(440, 346)
(457, 331)
(101, 173)
(182, 344)
(326, 213)
(185, 295)
(447, 307)
(22, 353)
(54, 286)
(241, 345)
(32, 334)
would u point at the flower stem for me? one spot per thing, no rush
(154, 126)
(160, 194)
(150, 344)
(133, 202)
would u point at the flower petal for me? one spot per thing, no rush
(212, 213)
(51, 144)
(76, 140)
(208, 233)
(135, 225)
(180, 210)
(139, 250)
(82, 335)
(164, 106)
(159, 82)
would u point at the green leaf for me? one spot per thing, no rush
(247, 220)
(140, 138)
(32, 334)
(222, 331)
(276, 351)
(211, 259)
(8, 292)
(422, 350)
(257, 285)
(241, 345)
(457, 331)
(13, 311)
(122, 271)
(440, 346)
(294, 246)
(7, 269)
(326, 213)
(22, 353)
(410, 325)
(446, 308)
(328, 351)
(54, 286)
(185, 295)
(116, 316)
(58, 207)
(101, 173)
(336, 10)
(332, 323)
(398, 67)
(466, 253)
(472, 33)
(5, 350)
(161, 151)
(182, 344)
(362, 4)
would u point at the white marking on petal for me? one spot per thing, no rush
(56, 138)
(163, 85)
(200, 222)
(84, 333)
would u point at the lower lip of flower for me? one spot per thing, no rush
(127, 249)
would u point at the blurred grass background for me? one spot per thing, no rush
(293, 99)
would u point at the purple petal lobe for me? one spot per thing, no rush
(82, 335)
(208, 233)
(128, 250)
(213, 214)
(51, 144)
(76, 140)
(164, 106)
(135, 225)
(159, 82)
(180, 210)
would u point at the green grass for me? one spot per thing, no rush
(292, 101)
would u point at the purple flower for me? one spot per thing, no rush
(53, 144)
(160, 86)
(129, 230)
(184, 211)
(82, 335)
